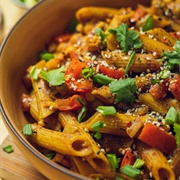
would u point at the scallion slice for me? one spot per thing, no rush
(138, 163)
(113, 160)
(98, 135)
(172, 116)
(98, 125)
(34, 72)
(106, 110)
(87, 73)
(50, 155)
(27, 130)
(102, 79)
(130, 62)
(8, 149)
(130, 171)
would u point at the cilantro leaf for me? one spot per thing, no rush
(124, 90)
(148, 24)
(102, 35)
(177, 135)
(172, 57)
(128, 39)
(55, 77)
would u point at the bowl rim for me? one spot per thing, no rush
(13, 129)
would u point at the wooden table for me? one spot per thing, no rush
(13, 166)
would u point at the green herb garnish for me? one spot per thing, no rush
(27, 130)
(130, 171)
(55, 77)
(102, 79)
(148, 25)
(34, 72)
(106, 110)
(124, 90)
(87, 73)
(172, 57)
(113, 160)
(8, 149)
(44, 55)
(177, 135)
(102, 35)
(98, 125)
(128, 39)
(172, 116)
(129, 63)
(50, 155)
(82, 112)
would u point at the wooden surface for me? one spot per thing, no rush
(14, 166)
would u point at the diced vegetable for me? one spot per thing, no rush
(106, 110)
(130, 171)
(172, 116)
(113, 160)
(27, 130)
(8, 149)
(129, 158)
(157, 138)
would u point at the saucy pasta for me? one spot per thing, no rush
(105, 95)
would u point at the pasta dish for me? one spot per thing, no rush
(104, 96)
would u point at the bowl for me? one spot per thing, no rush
(19, 50)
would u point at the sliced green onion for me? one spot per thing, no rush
(130, 171)
(97, 135)
(113, 160)
(50, 155)
(8, 149)
(87, 73)
(165, 74)
(148, 25)
(154, 81)
(106, 110)
(118, 178)
(46, 56)
(138, 163)
(82, 114)
(177, 134)
(130, 62)
(172, 116)
(34, 72)
(27, 130)
(98, 125)
(83, 110)
(102, 79)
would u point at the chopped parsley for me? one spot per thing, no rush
(128, 39)
(124, 90)
(172, 57)
(55, 77)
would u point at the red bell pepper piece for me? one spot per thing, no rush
(129, 158)
(62, 38)
(157, 138)
(174, 86)
(139, 13)
(69, 104)
(73, 77)
(158, 90)
(113, 73)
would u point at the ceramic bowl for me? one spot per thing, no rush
(19, 50)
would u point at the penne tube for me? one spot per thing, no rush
(162, 36)
(64, 143)
(96, 159)
(141, 62)
(95, 13)
(115, 124)
(42, 93)
(152, 45)
(176, 162)
(157, 163)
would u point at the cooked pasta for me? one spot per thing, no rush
(104, 96)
